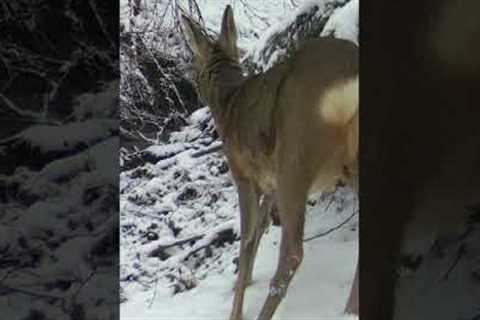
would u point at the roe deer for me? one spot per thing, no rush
(286, 132)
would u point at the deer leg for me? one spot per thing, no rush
(265, 208)
(249, 199)
(352, 306)
(291, 211)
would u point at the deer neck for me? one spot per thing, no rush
(222, 81)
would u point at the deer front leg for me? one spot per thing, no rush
(249, 215)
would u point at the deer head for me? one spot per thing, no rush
(206, 48)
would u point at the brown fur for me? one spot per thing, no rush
(287, 132)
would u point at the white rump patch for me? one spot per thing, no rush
(339, 104)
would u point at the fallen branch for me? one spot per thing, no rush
(218, 236)
(157, 252)
(206, 151)
(221, 236)
(23, 115)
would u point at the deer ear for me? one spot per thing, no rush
(228, 34)
(196, 38)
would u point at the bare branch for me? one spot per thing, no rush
(101, 24)
(13, 107)
(31, 293)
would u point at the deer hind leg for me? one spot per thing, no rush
(352, 306)
(266, 207)
(291, 205)
(353, 302)
(249, 215)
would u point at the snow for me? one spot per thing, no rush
(199, 115)
(287, 19)
(99, 157)
(98, 105)
(343, 23)
(318, 289)
(165, 151)
(449, 249)
(66, 137)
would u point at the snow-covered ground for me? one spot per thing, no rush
(180, 220)
(318, 291)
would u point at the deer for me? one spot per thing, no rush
(287, 133)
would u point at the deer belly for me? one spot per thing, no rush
(328, 176)
(325, 182)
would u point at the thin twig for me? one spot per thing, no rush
(332, 199)
(156, 285)
(331, 229)
(101, 24)
(460, 252)
(31, 293)
(83, 283)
